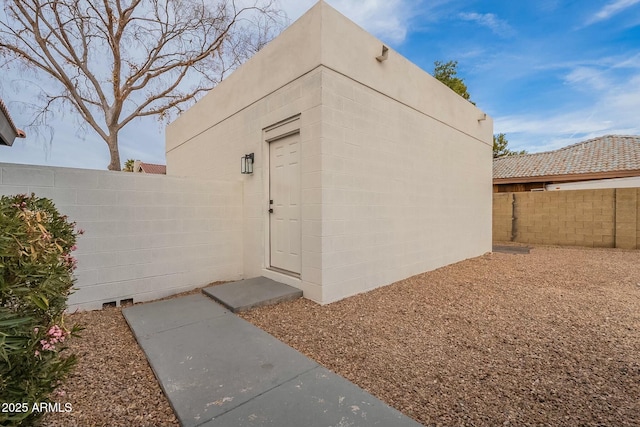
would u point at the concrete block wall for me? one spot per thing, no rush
(502, 216)
(592, 218)
(582, 218)
(627, 225)
(221, 145)
(395, 167)
(397, 187)
(146, 236)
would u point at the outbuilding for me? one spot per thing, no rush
(359, 169)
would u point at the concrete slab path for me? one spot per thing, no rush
(218, 370)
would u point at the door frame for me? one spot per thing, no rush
(274, 132)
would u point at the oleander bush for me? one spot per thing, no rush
(36, 279)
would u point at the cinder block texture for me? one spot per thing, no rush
(594, 218)
(395, 168)
(402, 193)
(627, 218)
(220, 147)
(146, 236)
(502, 216)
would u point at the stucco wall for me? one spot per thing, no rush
(146, 236)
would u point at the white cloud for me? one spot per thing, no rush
(627, 61)
(611, 9)
(608, 89)
(386, 19)
(587, 78)
(613, 110)
(491, 21)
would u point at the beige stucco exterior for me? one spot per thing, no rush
(395, 168)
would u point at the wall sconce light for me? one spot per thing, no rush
(246, 164)
(385, 54)
(482, 117)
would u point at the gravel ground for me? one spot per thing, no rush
(112, 385)
(548, 338)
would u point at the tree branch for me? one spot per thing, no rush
(117, 60)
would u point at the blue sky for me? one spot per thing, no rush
(549, 72)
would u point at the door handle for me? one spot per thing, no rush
(270, 210)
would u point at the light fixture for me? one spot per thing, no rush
(246, 164)
(482, 117)
(385, 54)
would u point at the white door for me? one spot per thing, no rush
(284, 195)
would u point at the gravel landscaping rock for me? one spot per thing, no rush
(546, 338)
(112, 384)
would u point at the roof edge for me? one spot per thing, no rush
(568, 146)
(568, 178)
(19, 132)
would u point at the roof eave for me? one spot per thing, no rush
(568, 177)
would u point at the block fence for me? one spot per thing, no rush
(598, 218)
(146, 236)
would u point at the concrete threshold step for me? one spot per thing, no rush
(249, 293)
(506, 249)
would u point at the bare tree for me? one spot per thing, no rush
(115, 60)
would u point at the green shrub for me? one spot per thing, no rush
(36, 278)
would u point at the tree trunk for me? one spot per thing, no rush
(112, 142)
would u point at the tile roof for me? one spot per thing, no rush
(153, 168)
(603, 155)
(5, 111)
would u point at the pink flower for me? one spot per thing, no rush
(37, 353)
(56, 335)
(55, 331)
(70, 261)
(74, 247)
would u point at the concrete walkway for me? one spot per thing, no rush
(218, 370)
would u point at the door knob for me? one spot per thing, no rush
(270, 210)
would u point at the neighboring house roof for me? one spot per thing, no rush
(150, 168)
(610, 156)
(8, 130)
